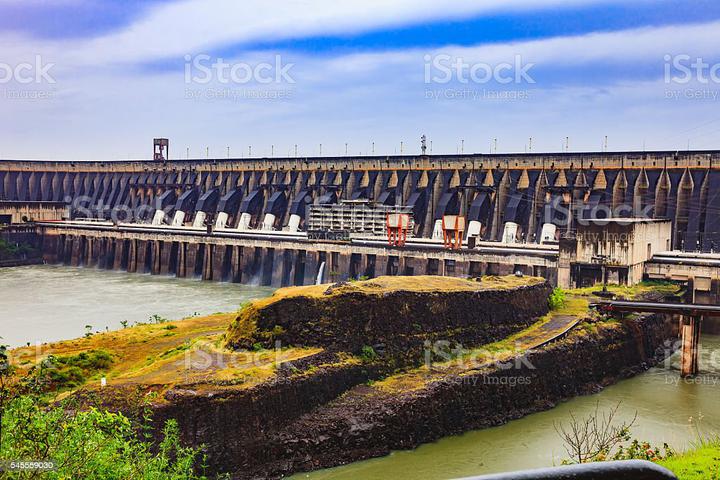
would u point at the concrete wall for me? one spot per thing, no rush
(492, 189)
(271, 263)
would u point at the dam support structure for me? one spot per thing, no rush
(276, 263)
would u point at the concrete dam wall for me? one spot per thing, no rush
(530, 191)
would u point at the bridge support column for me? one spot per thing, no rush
(311, 267)
(76, 252)
(235, 259)
(132, 256)
(690, 328)
(278, 267)
(249, 267)
(118, 258)
(165, 267)
(381, 265)
(207, 262)
(102, 252)
(181, 266)
(156, 265)
(218, 262)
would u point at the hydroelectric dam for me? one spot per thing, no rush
(294, 221)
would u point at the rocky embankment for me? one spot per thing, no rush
(395, 315)
(319, 376)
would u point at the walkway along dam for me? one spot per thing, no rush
(248, 220)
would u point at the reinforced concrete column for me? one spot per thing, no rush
(289, 267)
(248, 268)
(181, 266)
(311, 267)
(155, 266)
(191, 251)
(381, 263)
(207, 262)
(132, 256)
(101, 252)
(462, 268)
(76, 253)
(218, 262)
(278, 267)
(166, 250)
(119, 248)
(142, 251)
(235, 259)
(689, 365)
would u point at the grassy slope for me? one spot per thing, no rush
(700, 464)
(172, 353)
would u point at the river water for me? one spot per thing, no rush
(668, 410)
(42, 303)
(47, 303)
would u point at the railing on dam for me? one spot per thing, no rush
(620, 470)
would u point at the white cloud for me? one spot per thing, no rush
(112, 111)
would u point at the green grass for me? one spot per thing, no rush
(702, 463)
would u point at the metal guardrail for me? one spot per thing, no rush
(619, 470)
(692, 309)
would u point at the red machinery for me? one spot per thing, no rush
(398, 225)
(453, 227)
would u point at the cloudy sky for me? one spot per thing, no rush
(92, 79)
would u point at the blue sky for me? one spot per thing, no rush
(357, 72)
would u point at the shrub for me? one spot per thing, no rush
(90, 444)
(556, 300)
(368, 354)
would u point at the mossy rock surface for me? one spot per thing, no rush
(391, 314)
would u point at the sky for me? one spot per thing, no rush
(98, 80)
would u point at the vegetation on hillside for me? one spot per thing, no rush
(63, 439)
(600, 437)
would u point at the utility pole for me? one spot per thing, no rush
(207, 152)
(187, 153)
(296, 150)
(567, 144)
(373, 148)
(346, 148)
(462, 146)
(272, 150)
(250, 151)
(605, 145)
(495, 145)
(401, 148)
(321, 149)
(530, 147)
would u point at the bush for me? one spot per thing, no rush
(90, 444)
(368, 354)
(556, 300)
(61, 373)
